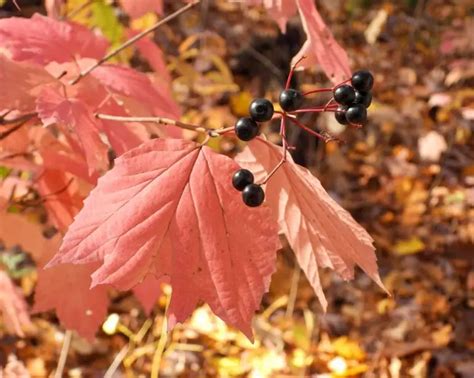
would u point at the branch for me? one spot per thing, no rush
(21, 118)
(131, 41)
(11, 130)
(166, 121)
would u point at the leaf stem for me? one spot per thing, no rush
(285, 149)
(134, 39)
(312, 132)
(317, 91)
(318, 109)
(292, 71)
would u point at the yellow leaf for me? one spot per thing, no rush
(300, 359)
(442, 336)
(103, 17)
(409, 247)
(348, 349)
(229, 367)
(144, 22)
(240, 102)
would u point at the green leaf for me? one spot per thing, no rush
(4, 171)
(103, 17)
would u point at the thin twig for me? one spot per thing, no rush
(319, 90)
(285, 149)
(317, 109)
(11, 130)
(21, 118)
(292, 71)
(312, 132)
(63, 355)
(134, 39)
(166, 121)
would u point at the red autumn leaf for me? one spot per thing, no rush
(66, 289)
(137, 8)
(62, 199)
(13, 306)
(168, 208)
(139, 89)
(321, 47)
(122, 136)
(148, 291)
(154, 56)
(42, 40)
(21, 82)
(75, 115)
(320, 232)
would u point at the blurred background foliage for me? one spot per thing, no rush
(408, 177)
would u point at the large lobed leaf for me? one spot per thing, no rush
(320, 232)
(321, 47)
(53, 107)
(168, 208)
(42, 40)
(137, 8)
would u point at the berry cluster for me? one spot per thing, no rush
(349, 104)
(247, 128)
(252, 194)
(354, 100)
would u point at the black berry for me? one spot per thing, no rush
(362, 80)
(242, 178)
(341, 115)
(291, 99)
(253, 195)
(261, 110)
(246, 128)
(363, 98)
(344, 94)
(356, 114)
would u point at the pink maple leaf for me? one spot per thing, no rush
(137, 8)
(320, 232)
(66, 289)
(168, 208)
(74, 115)
(138, 89)
(321, 47)
(148, 291)
(42, 40)
(13, 306)
(21, 83)
(62, 199)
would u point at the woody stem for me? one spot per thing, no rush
(166, 121)
(134, 39)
